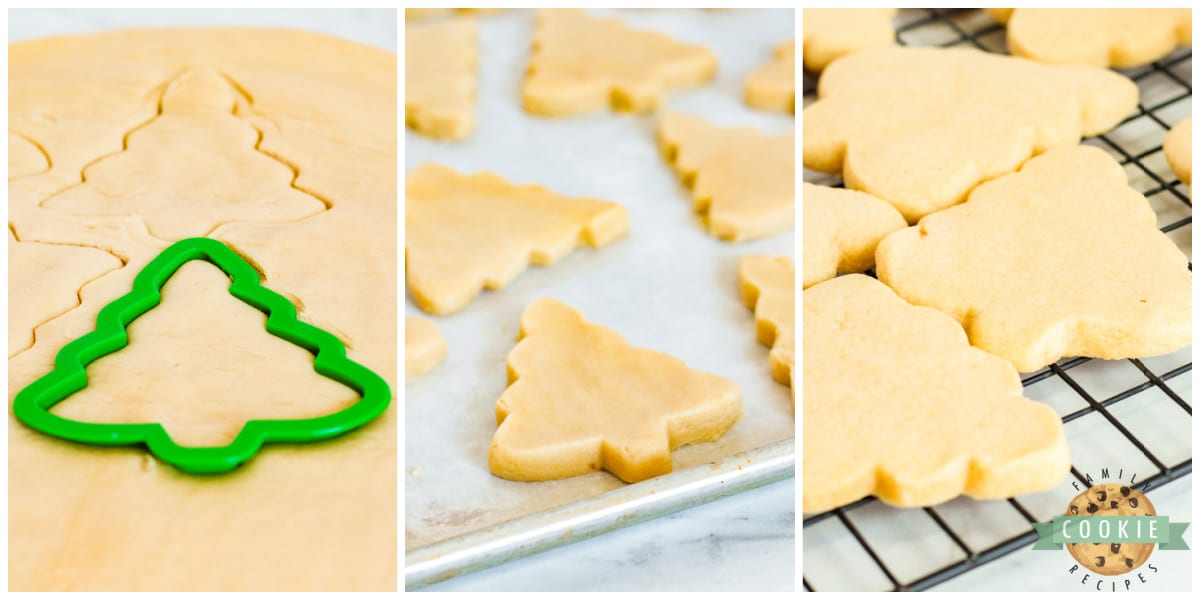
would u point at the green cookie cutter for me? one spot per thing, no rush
(32, 404)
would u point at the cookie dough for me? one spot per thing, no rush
(1060, 259)
(773, 85)
(768, 287)
(465, 233)
(302, 517)
(1108, 500)
(921, 127)
(831, 33)
(743, 181)
(580, 399)
(1104, 37)
(899, 405)
(439, 78)
(841, 229)
(580, 63)
(424, 346)
(1178, 149)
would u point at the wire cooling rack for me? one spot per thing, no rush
(1132, 415)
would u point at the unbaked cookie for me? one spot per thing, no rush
(439, 78)
(465, 233)
(1061, 259)
(1178, 149)
(841, 229)
(580, 63)
(830, 33)
(1116, 37)
(424, 346)
(581, 399)
(921, 127)
(773, 85)
(768, 287)
(899, 405)
(1107, 500)
(743, 181)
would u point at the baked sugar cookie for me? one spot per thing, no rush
(921, 127)
(439, 78)
(768, 287)
(773, 85)
(743, 181)
(580, 63)
(581, 399)
(1178, 149)
(841, 230)
(1103, 37)
(899, 405)
(470, 232)
(424, 346)
(831, 33)
(1060, 259)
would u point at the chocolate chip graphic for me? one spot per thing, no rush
(1074, 509)
(1103, 495)
(1093, 508)
(1124, 490)
(1114, 503)
(1129, 562)
(1134, 502)
(1099, 561)
(1116, 548)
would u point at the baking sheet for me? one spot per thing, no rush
(667, 285)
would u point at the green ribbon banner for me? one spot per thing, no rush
(1074, 529)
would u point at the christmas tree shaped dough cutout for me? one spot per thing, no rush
(192, 168)
(113, 332)
(424, 346)
(439, 78)
(773, 85)
(580, 399)
(1060, 259)
(743, 181)
(899, 405)
(768, 287)
(58, 273)
(1103, 37)
(464, 233)
(581, 63)
(842, 229)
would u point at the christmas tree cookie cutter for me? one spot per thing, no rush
(32, 404)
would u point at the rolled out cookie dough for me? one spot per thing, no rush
(899, 405)
(841, 230)
(424, 346)
(581, 399)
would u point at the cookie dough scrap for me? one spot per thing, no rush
(1111, 500)
(1178, 149)
(1103, 37)
(743, 181)
(831, 33)
(58, 272)
(439, 78)
(768, 287)
(580, 399)
(841, 230)
(921, 127)
(899, 405)
(1061, 259)
(580, 63)
(773, 85)
(424, 346)
(470, 232)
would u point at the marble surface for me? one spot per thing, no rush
(741, 543)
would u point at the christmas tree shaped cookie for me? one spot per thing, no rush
(439, 78)
(580, 399)
(841, 230)
(743, 181)
(1178, 149)
(1061, 259)
(1103, 37)
(465, 233)
(164, 175)
(768, 287)
(424, 346)
(921, 127)
(581, 63)
(773, 85)
(831, 33)
(899, 405)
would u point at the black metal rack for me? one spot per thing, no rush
(965, 26)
